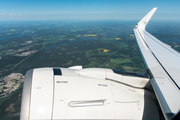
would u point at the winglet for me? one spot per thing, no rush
(142, 24)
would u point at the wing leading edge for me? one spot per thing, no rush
(163, 66)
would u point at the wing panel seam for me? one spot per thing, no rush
(149, 35)
(158, 60)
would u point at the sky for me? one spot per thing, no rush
(88, 9)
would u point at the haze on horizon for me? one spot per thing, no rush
(87, 9)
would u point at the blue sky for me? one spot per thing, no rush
(87, 9)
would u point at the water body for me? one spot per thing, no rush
(53, 46)
(2, 38)
(172, 40)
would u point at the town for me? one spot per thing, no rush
(10, 83)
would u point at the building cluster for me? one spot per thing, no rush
(26, 53)
(10, 83)
(19, 52)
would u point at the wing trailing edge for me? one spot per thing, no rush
(163, 66)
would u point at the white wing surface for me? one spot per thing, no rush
(163, 65)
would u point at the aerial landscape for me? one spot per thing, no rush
(45, 38)
(100, 44)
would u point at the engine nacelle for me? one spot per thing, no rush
(60, 93)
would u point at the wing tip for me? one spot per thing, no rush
(142, 24)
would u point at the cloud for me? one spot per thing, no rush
(2, 14)
(10, 14)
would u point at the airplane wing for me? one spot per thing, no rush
(163, 65)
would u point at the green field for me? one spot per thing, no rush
(118, 61)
